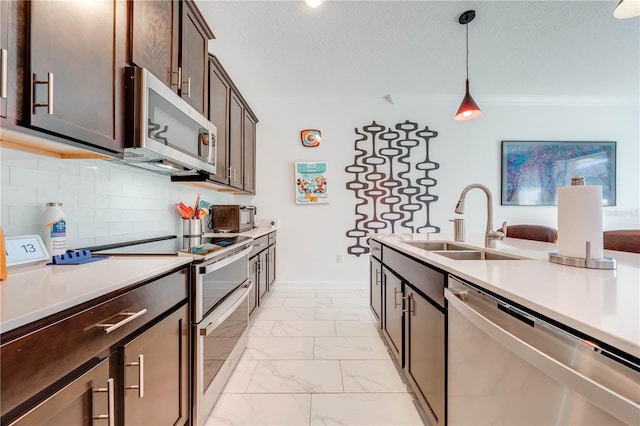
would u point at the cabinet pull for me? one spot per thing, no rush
(234, 173)
(188, 87)
(140, 385)
(130, 316)
(3, 80)
(110, 403)
(378, 277)
(409, 304)
(179, 79)
(49, 83)
(395, 299)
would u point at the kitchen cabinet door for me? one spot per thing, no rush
(236, 140)
(271, 266)
(77, 57)
(155, 27)
(219, 104)
(87, 400)
(375, 288)
(194, 42)
(249, 157)
(253, 277)
(156, 378)
(4, 56)
(392, 317)
(425, 353)
(263, 286)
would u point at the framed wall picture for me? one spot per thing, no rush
(311, 183)
(533, 171)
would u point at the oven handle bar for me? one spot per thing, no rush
(214, 266)
(244, 291)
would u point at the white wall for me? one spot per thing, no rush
(103, 201)
(312, 236)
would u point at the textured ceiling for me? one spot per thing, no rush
(518, 50)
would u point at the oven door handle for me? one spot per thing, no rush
(214, 266)
(244, 289)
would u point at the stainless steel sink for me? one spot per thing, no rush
(473, 255)
(435, 245)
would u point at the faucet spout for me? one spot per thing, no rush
(490, 236)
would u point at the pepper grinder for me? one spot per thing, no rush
(458, 229)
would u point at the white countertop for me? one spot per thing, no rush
(35, 292)
(604, 304)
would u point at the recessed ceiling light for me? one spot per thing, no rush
(313, 3)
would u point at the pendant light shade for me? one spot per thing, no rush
(468, 108)
(627, 9)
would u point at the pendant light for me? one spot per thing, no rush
(627, 9)
(468, 108)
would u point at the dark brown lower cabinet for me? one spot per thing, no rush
(392, 319)
(375, 288)
(87, 400)
(156, 373)
(253, 276)
(263, 285)
(271, 265)
(425, 353)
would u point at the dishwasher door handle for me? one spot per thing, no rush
(605, 398)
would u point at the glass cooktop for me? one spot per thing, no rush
(170, 245)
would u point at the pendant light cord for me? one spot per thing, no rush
(466, 26)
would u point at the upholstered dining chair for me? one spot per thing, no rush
(533, 232)
(622, 240)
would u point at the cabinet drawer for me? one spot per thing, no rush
(427, 280)
(259, 244)
(36, 360)
(272, 238)
(375, 249)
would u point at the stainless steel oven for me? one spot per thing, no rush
(220, 298)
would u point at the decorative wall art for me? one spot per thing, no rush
(533, 171)
(311, 183)
(310, 138)
(391, 181)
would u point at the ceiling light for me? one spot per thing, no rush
(313, 3)
(627, 9)
(468, 108)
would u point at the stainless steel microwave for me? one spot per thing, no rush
(163, 132)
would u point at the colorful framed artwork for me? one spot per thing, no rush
(533, 171)
(310, 138)
(311, 183)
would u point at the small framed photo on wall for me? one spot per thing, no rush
(311, 183)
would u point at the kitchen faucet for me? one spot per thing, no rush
(490, 236)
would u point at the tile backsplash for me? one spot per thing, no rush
(103, 201)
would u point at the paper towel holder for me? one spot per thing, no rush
(587, 262)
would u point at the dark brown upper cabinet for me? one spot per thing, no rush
(76, 54)
(170, 38)
(4, 56)
(219, 104)
(249, 153)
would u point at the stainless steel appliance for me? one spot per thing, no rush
(219, 300)
(232, 218)
(164, 133)
(507, 366)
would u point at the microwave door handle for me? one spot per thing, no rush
(224, 261)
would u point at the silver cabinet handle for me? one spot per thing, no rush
(188, 87)
(409, 299)
(378, 277)
(110, 417)
(130, 316)
(49, 83)
(140, 385)
(375, 248)
(179, 79)
(395, 299)
(3, 79)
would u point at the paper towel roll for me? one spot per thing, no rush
(580, 220)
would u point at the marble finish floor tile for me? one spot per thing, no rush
(392, 409)
(349, 348)
(354, 314)
(280, 348)
(267, 410)
(306, 376)
(371, 376)
(272, 302)
(307, 302)
(260, 328)
(357, 328)
(299, 314)
(350, 292)
(293, 292)
(239, 380)
(350, 302)
(304, 328)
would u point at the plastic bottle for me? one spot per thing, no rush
(55, 233)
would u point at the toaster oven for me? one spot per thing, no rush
(232, 218)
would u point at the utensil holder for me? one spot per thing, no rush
(192, 227)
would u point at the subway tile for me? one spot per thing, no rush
(100, 170)
(107, 187)
(5, 174)
(79, 215)
(59, 166)
(116, 202)
(97, 201)
(121, 228)
(15, 196)
(121, 176)
(92, 230)
(144, 191)
(107, 215)
(4, 216)
(69, 199)
(27, 178)
(14, 155)
(77, 184)
(27, 217)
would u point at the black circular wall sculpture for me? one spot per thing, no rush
(391, 182)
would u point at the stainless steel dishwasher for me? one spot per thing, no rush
(509, 367)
